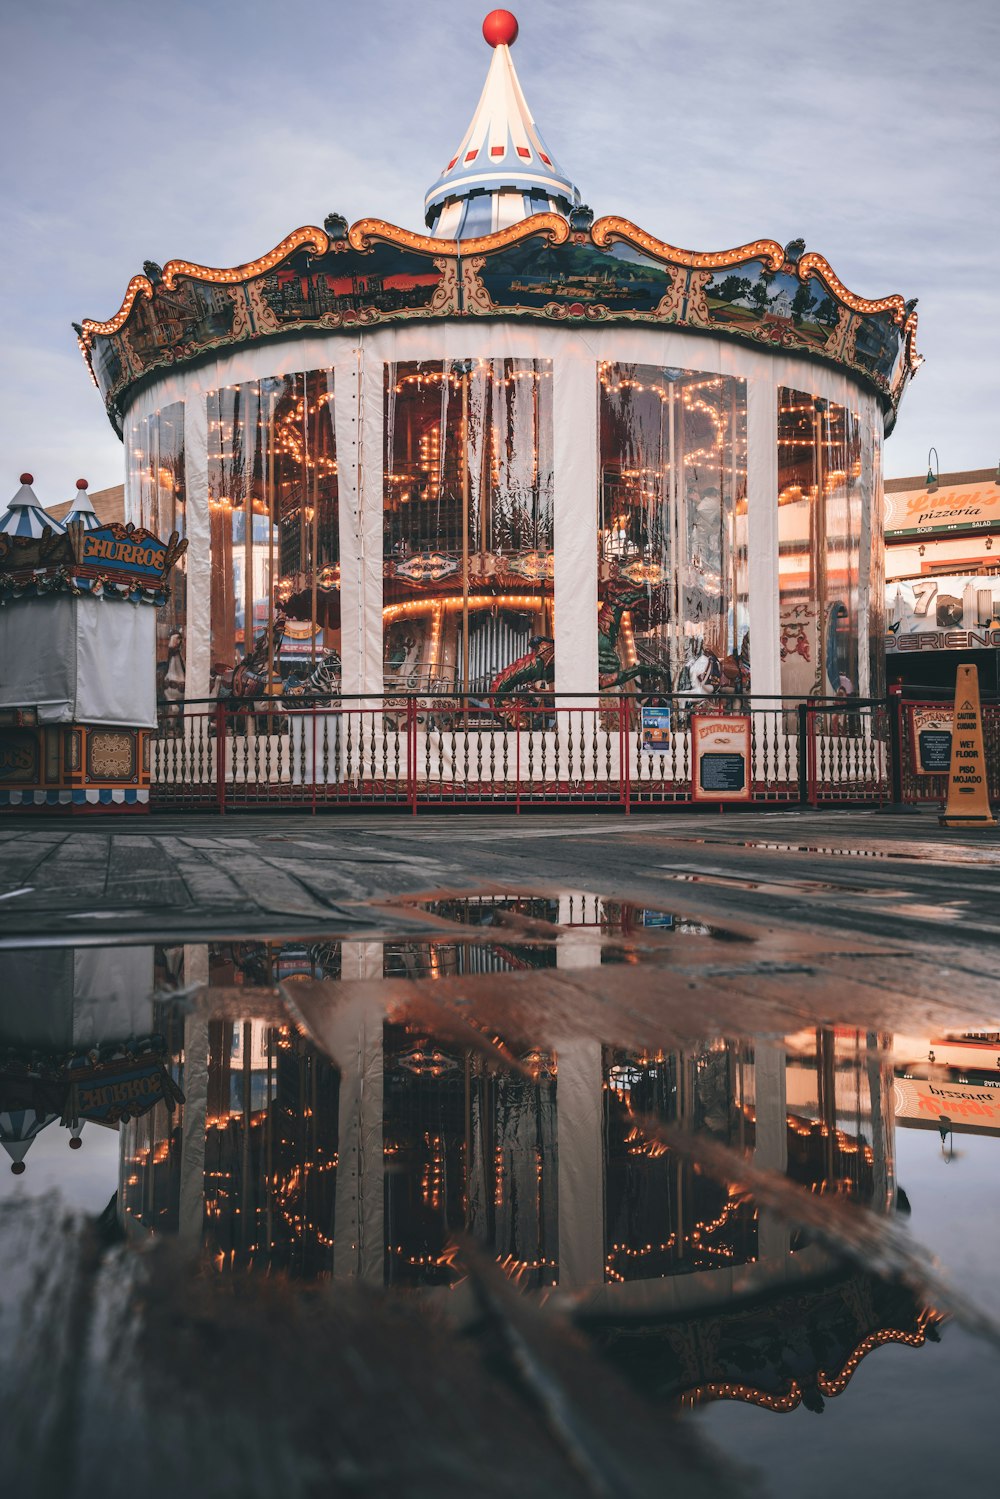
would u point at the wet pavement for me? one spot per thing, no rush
(479, 1157)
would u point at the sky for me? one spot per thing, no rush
(870, 128)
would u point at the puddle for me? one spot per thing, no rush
(506, 1179)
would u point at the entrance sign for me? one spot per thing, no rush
(720, 754)
(655, 728)
(931, 733)
(968, 793)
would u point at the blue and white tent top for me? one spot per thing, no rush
(503, 172)
(83, 510)
(18, 1129)
(24, 516)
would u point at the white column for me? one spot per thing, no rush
(574, 402)
(191, 1212)
(346, 412)
(762, 534)
(198, 632)
(771, 1148)
(356, 1037)
(371, 423)
(580, 1137)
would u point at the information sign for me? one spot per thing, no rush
(930, 729)
(968, 790)
(655, 728)
(720, 753)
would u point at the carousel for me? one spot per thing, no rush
(527, 450)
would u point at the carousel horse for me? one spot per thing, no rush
(621, 595)
(170, 677)
(322, 683)
(536, 665)
(736, 670)
(701, 675)
(252, 677)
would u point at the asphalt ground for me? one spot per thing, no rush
(891, 876)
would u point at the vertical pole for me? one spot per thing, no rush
(803, 737)
(269, 438)
(247, 512)
(312, 719)
(314, 540)
(624, 769)
(517, 751)
(411, 753)
(895, 706)
(466, 376)
(220, 756)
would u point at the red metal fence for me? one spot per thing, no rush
(426, 752)
(915, 783)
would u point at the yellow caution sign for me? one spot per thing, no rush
(968, 802)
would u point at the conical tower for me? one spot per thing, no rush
(82, 510)
(502, 171)
(24, 516)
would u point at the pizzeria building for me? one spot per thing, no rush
(942, 555)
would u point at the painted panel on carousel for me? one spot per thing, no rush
(174, 313)
(544, 267)
(570, 280)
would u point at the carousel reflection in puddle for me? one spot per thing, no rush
(290, 1107)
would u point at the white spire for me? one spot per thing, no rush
(503, 171)
(24, 516)
(82, 509)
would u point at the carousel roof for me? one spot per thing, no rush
(82, 510)
(24, 515)
(502, 171)
(510, 238)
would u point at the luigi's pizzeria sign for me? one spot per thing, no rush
(949, 508)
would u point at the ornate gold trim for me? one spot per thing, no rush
(228, 276)
(365, 231)
(308, 235)
(812, 264)
(913, 359)
(552, 225)
(612, 227)
(136, 285)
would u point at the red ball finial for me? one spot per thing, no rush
(18, 1168)
(81, 483)
(27, 478)
(500, 28)
(76, 1143)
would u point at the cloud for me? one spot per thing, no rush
(210, 132)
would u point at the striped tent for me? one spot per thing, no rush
(82, 510)
(503, 171)
(24, 516)
(18, 1129)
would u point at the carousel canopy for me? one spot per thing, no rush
(510, 238)
(82, 510)
(24, 516)
(502, 171)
